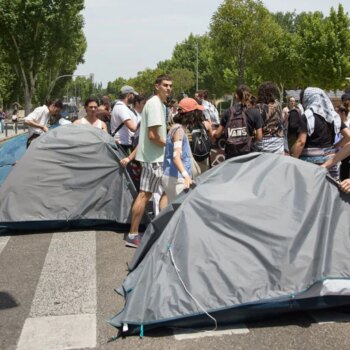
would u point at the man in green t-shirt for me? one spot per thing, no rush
(150, 153)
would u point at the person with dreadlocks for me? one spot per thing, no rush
(177, 168)
(273, 123)
(319, 125)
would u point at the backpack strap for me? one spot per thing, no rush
(117, 129)
(121, 124)
(173, 131)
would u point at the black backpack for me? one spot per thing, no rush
(201, 143)
(294, 116)
(238, 140)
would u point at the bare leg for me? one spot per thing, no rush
(163, 201)
(138, 210)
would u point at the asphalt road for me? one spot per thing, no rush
(56, 292)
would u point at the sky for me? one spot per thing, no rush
(125, 37)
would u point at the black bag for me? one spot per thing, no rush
(201, 143)
(294, 116)
(238, 140)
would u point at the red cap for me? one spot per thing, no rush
(188, 104)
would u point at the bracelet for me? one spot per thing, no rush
(184, 173)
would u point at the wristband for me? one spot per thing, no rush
(184, 173)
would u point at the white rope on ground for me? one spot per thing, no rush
(188, 292)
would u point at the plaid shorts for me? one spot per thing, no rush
(151, 177)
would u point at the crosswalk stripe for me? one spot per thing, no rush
(59, 332)
(3, 242)
(65, 294)
(183, 334)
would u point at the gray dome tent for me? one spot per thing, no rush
(260, 235)
(69, 178)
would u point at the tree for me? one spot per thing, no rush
(113, 87)
(241, 31)
(185, 57)
(38, 34)
(282, 66)
(144, 81)
(338, 48)
(325, 47)
(183, 81)
(7, 80)
(287, 20)
(83, 87)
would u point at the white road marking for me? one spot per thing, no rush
(3, 242)
(183, 334)
(65, 294)
(329, 317)
(58, 332)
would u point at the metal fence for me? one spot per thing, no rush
(14, 128)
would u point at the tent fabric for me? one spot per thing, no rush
(259, 235)
(10, 152)
(69, 177)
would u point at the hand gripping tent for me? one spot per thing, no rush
(69, 178)
(260, 235)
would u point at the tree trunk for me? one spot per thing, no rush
(280, 88)
(241, 65)
(29, 92)
(28, 95)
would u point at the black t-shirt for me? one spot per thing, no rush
(323, 135)
(254, 120)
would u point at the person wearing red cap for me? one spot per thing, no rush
(177, 168)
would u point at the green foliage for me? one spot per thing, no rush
(282, 64)
(287, 20)
(325, 47)
(185, 57)
(41, 37)
(42, 40)
(183, 81)
(241, 31)
(113, 87)
(81, 88)
(144, 81)
(7, 81)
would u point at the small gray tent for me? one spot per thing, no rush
(69, 178)
(260, 235)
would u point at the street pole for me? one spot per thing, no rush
(197, 67)
(52, 85)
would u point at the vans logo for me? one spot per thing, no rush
(237, 132)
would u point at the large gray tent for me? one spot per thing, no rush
(260, 235)
(69, 178)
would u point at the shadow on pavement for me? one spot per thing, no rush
(7, 301)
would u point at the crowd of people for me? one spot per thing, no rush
(170, 140)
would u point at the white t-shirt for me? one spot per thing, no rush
(63, 121)
(40, 115)
(120, 113)
(97, 123)
(138, 117)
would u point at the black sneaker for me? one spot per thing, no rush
(132, 242)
